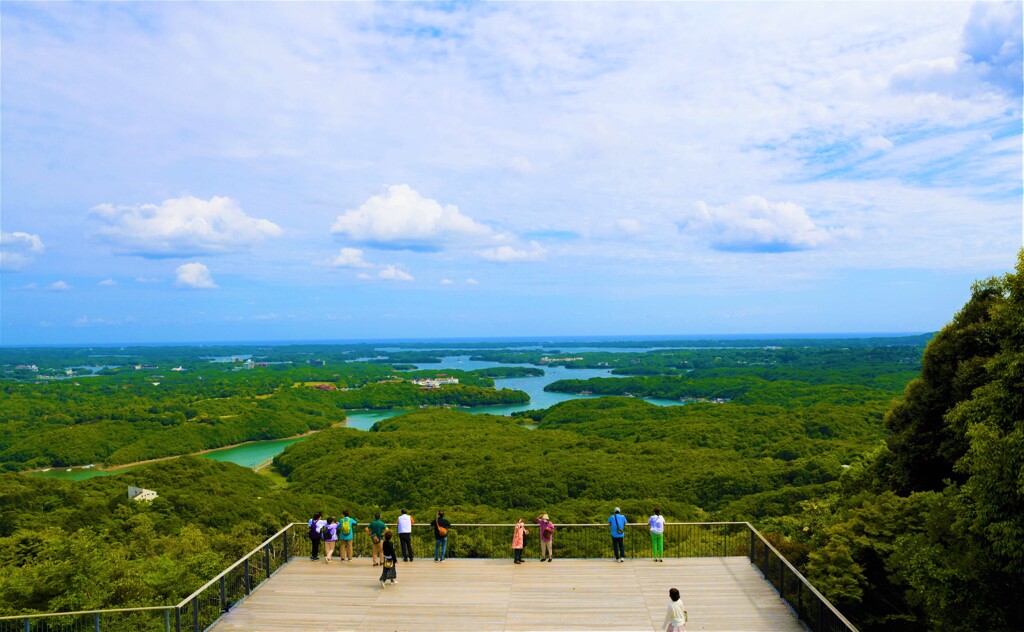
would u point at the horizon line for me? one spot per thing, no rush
(602, 338)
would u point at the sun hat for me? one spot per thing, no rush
(544, 517)
(616, 510)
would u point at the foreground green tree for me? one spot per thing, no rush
(929, 533)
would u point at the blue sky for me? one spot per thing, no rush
(291, 171)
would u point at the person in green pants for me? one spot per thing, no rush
(657, 525)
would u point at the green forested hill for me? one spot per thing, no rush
(82, 545)
(587, 455)
(928, 532)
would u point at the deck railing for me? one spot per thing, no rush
(200, 610)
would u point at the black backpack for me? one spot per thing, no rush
(325, 533)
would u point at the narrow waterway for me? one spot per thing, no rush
(256, 452)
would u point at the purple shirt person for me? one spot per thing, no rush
(547, 532)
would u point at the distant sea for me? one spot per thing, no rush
(524, 341)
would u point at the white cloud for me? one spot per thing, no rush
(402, 218)
(146, 280)
(447, 282)
(18, 249)
(107, 283)
(629, 226)
(755, 225)
(349, 258)
(877, 143)
(472, 281)
(181, 227)
(510, 254)
(196, 276)
(59, 286)
(394, 273)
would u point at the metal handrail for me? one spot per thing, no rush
(194, 612)
(803, 580)
(240, 561)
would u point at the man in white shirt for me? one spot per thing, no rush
(405, 523)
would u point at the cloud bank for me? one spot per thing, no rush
(755, 225)
(181, 227)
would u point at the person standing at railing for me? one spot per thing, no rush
(315, 524)
(405, 523)
(329, 534)
(617, 523)
(657, 526)
(346, 532)
(675, 618)
(547, 534)
(518, 538)
(388, 560)
(441, 527)
(376, 531)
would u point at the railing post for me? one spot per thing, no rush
(248, 579)
(750, 553)
(223, 597)
(267, 551)
(195, 614)
(96, 621)
(28, 625)
(177, 619)
(286, 533)
(167, 621)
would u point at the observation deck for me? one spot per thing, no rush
(494, 594)
(730, 578)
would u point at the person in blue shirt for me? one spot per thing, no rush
(617, 523)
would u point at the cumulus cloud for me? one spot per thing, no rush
(401, 218)
(755, 225)
(472, 281)
(181, 227)
(18, 249)
(349, 258)
(992, 39)
(195, 276)
(107, 283)
(447, 282)
(394, 273)
(511, 254)
(989, 56)
(58, 286)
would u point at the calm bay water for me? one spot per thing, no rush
(256, 452)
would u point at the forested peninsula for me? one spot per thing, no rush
(888, 476)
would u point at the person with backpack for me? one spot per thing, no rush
(346, 532)
(388, 560)
(376, 531)
(329, 535)
(617, 523)
(315, 524)
(547, 534)
(441, 527)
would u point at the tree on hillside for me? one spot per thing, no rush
(931, 532)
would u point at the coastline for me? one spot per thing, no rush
(125, 466)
